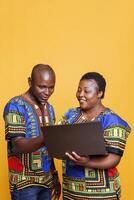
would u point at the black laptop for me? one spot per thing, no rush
(84, 139)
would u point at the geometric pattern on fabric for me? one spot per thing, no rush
(81, 183)
(24, 118)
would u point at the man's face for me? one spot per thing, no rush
(42, 86)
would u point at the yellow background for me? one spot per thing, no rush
(74, 37)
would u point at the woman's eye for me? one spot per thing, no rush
(87, 91)
(79, 90)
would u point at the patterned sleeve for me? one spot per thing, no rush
(116, 135)
(14, 122)
(52, 113)
(69, 116)
(63, 120)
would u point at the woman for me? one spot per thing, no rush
(90, 177)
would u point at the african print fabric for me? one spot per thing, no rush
(24, 118)
(81, 183)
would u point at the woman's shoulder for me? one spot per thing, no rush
(69, 116)
(110, 118)
(72, 111)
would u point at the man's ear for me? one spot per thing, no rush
(100, 94)
(29, 81)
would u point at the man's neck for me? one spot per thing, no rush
(29, 96)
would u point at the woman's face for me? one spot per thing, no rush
(88, 94)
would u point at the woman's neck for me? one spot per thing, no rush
(93, 112)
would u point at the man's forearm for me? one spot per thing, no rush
(27, 145)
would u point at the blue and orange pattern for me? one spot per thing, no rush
(24, 118)
(82, 183)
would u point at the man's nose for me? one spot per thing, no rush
(47, 91)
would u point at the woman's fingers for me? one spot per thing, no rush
(77, 157)
(70, 156)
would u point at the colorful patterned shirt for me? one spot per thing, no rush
(81, 183)
(24, 118)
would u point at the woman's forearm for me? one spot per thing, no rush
(104, 162)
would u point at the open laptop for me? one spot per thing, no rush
(84, 139)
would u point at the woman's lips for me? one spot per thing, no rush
(82, 100)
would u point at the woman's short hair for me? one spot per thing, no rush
(101, 82)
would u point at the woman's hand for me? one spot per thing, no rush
(107, 161)
(77, 159)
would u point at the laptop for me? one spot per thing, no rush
(85, 139)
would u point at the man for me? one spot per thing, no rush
(31, 170)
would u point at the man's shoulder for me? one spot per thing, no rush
(15, 100)
(49, 104)
(15, 103)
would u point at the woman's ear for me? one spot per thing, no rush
(100, 94)
(29, 81)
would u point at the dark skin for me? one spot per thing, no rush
(41, 87)
(89, 98)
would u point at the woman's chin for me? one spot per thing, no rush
(83, 107)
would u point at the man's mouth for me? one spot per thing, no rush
(43, 99)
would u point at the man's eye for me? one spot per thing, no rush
(41, 87)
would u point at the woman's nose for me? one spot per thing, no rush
(81, 94)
